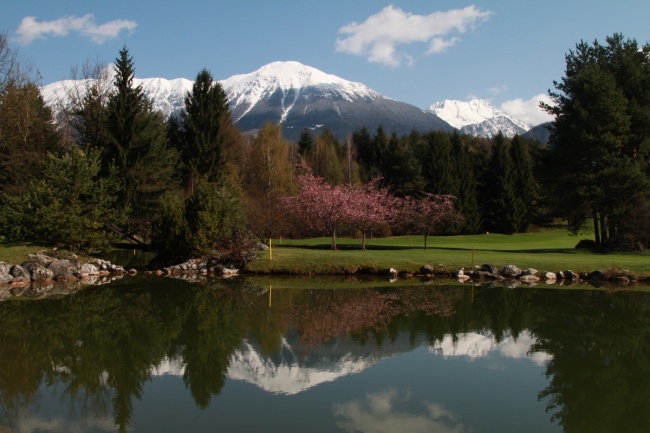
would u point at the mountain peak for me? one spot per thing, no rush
(286, 75)
(290, 78)
(477, 117)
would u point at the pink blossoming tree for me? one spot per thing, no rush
(432, 214)
(370, 207)
(325, 208)
(319, 205)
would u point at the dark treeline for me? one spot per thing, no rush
(208, 187)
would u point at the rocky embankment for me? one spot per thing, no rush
(42, 275)
(512, 276)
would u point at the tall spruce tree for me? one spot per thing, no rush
(466, 197)
(401, 170)
(305, 142)
(502, 212)
(525, 184)
(205, 122)
(137, 151)
(438, 165)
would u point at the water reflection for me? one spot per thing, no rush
(385, 412)
(97, 349)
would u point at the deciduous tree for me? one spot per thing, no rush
(369, 207)
(320, 206)
(429, 215)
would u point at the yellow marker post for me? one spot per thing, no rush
(270, 249)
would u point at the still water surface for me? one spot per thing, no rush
(162, 355)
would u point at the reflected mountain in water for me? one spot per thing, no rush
(292, 371)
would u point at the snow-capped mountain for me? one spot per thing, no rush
(299, 96)
(290, 79)
(478, 117)
(296, 95)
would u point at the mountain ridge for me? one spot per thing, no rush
(300, 96)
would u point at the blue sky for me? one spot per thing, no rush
(416, 51)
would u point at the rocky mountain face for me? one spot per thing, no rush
(299, 97)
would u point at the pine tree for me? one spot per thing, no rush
(69, 205)
(305, 142)
(438, 164)
(526, 188)
(204, 124)
(502, 213)
(466, 198)
(401, 170)
(137, 151)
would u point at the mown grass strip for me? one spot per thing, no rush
(551, 250)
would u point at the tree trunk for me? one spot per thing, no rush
(334, 239)
(603, 228)
(363, 240)
(426, 236)
(596, 230)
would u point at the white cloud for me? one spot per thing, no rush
(378, 37)
(528, 110)
(31, 29)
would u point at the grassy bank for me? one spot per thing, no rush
(16, 253)
(551, 250)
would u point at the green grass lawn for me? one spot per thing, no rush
(548, 250)
(15, 252)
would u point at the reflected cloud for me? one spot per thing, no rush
(476, 345)
(386, 412)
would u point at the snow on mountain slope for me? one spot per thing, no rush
(167, 96)
(290, 78)
(478, 117)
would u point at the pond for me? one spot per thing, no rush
(151, 354)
